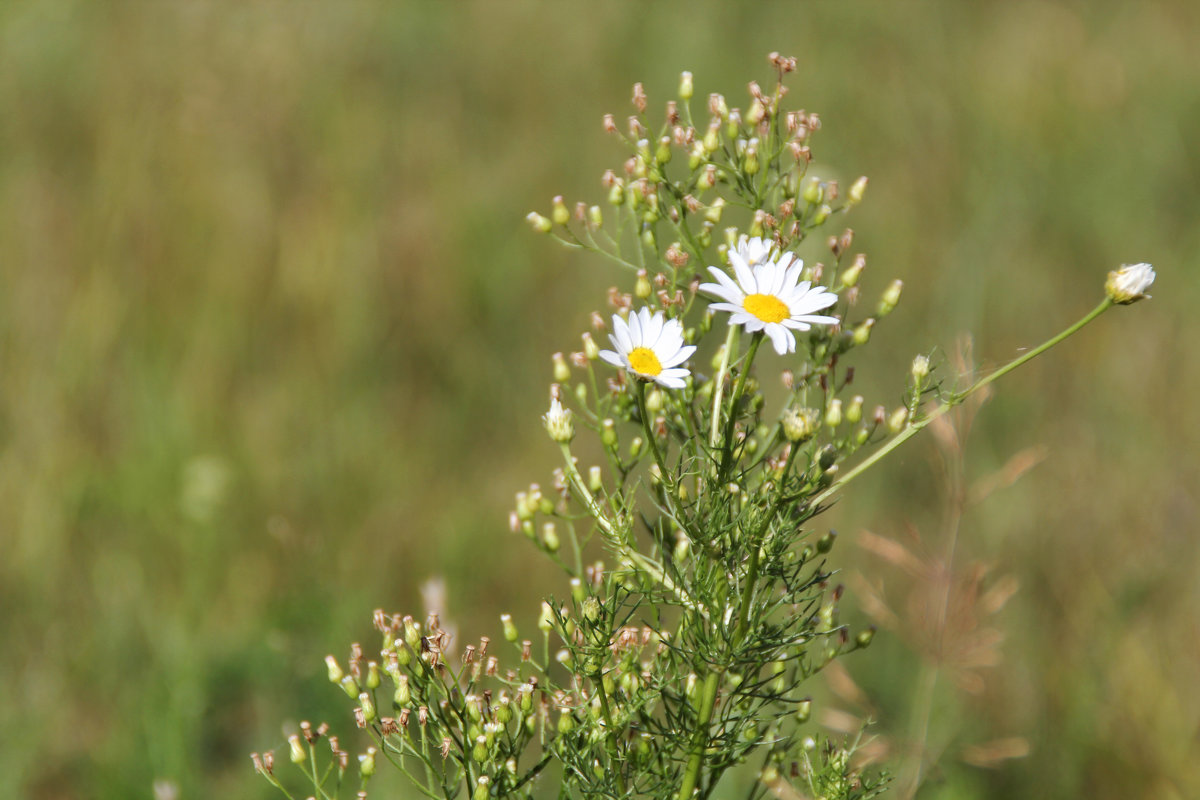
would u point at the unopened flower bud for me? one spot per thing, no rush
(373, 677)
(920, 368)
(550, 537)
(685, 86)
(833, 417)
(299, 754)
(590, 349)
(608, 432)
(857, 189)
(663, 154)
(558, 423)
(642, 289)
(616, 194)
(854, 410)
(891, 296)
(854, 271)
(482, 790)
(350, 686)
(800, 424)
(546, 619)
(559, 212)
(897, 420)
(803, 710)
(865, 636)
(595, 479)
(510, 630)
(813, 193)
(403, 695)
(366, 763)
(1129, 283)
(562, 372)
(367, 705)
(862, 333)
(825, 543)
(539, 223)
(335, 671)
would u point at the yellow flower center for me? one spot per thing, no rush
(767, 307)
(643, 361)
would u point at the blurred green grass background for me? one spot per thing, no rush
(274, 341)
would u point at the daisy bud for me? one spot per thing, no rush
(685, 86)
(403, 695)
(865, 636)
(920, 369)
(821, 214)
(642, 289)
(366, 763)
(595, 217)
(813, 193)
(559, 213)
(616, 195)
(373, 677)
(891, 296)
(350, 686)
(546, 620)
(712, 137)
(510, 630)
(654, 401)
(825, 543)
(595, 479)
(610, 124)
(803, 710)
(335, 671)
(562, 373)
(862, 333)
(713, 212)
(608, 432)
(558, 422)
(898, 420)
(833, 417)
(538, 222)
(590, 348)
(854, 410)
(1129, 283)
(298, 753)
(639, 97)
(854, 271)
(482, 790)
(857, 189)
(368, 706)
(550, 537)
(717, 106)
(635, 447)
(663, 154)
(800, 424)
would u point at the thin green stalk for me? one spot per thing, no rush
(611, 739)
(708, 701)
(739, 387)
(915, 427)
(714, 436)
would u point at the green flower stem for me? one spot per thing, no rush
(651, 441)
(708, 701)
(955, 399)
(652, 568)
(714, 436)
(739, 387)
(611, 739)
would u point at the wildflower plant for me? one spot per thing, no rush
(698, 597)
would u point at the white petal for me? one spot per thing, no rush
(612, 358)
(669, 381)
(727, 282)
(651, 330)
(635, 330)
(620, 335)
(745, 277)
(732, 308)
(816, 319)
(782, 338)
(680, 356)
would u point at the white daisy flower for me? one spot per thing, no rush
(1129, 283)
(768, 294)
(651, 347)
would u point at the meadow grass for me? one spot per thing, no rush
(268, 313)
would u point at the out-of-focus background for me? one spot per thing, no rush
(274, 341)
